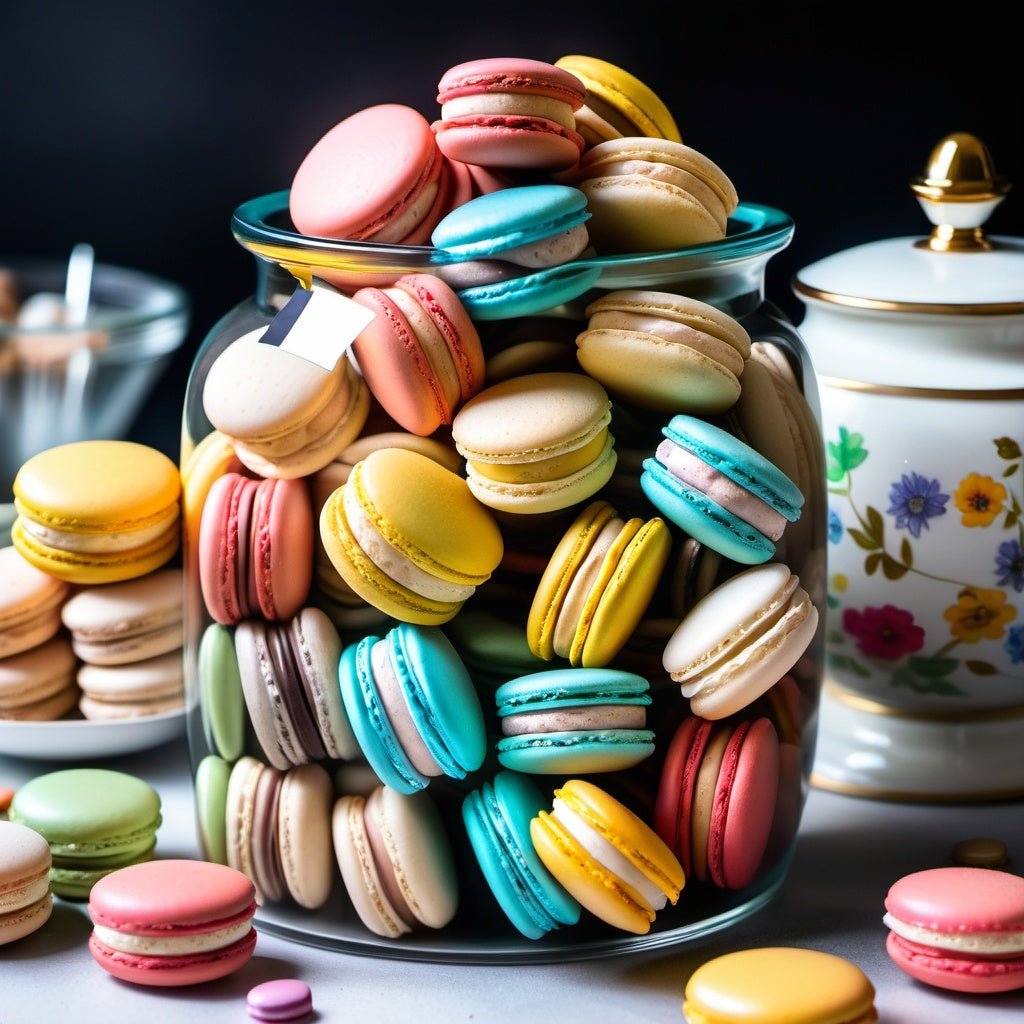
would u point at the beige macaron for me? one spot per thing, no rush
(286, 416)
(134, 690)
(646, 195)
(663, 351)
(30, 603)
(38, 685)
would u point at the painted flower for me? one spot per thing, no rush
(1010, 565)
(979, 615)
(980, 499)
(835, 526)
(914, 500)
(887, 632)
(1014, 644)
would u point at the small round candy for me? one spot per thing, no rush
(981, 852)
(285, 999)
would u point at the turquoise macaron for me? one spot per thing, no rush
(537, 232)
(719, 490)
(413, 707)
(574, 721)
(497, 819)
(95, 820)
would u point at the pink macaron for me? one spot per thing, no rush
(376, 176)
(172, 922)
(510, 112)
(421, 354)
(255, 548)
(959, 928)
(716, 798)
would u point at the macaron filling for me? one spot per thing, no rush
(977, 943)
(167, 943)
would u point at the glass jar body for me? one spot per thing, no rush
(729, 275)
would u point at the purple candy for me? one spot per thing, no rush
(281, 1000)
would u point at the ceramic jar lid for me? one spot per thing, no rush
(955, 270)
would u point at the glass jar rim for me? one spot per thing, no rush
(753, 230)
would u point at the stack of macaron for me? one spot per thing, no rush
(91, 593)
(491, 565)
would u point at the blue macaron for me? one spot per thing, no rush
(719, 490)
(412, 683)
(497, 818)
(574, 721)
(537, 229)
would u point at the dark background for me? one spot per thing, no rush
(139, 127)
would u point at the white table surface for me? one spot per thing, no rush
(849, 851)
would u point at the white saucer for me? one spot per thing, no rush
(78, 739)
(876, 752)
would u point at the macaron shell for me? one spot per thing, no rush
(221, 699)
(955, 972)
(364, 173)
(304, 834)
(211, 796)
(497, 819)
(529, 294)
(577, 752)
(282, 546)
(30, 603)
(779, 984)
(674, 802)
(16, 924)
(619, 98)
(38, 685)
(745, 797)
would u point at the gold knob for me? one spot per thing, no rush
(958, 192)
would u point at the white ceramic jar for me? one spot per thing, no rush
(918, 344)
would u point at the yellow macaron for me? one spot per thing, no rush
(97, 511)
(626, 888)
(597, 586)
(407, 536)
(617, 103)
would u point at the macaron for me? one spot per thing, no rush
(607, 857)
(958, 928)
(210, 787)
(130, 621)
(256, 548)
(396, 860)
(25, 898)
(376, 176)
(413, 707)
(509, 112)
(574, 721)
(172, 922)
(739, 640)
(221, 698)
(536, 443)
(39, 684)
(719, 490)
(497, 816)
(95, 820)
(409, 537)
(597, 585)
(617, 103)
(421, 354)
(652, 194)
(155, 686)
(30, 603)
(97, 511)
(278, 830)
(663, 351)
(286, 416)
(514, 250)
(289, 678)
(281, 999)
(716, 798)
(779, 983)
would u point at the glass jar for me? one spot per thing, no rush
(729, 274)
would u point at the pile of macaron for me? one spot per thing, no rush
(91, 593)
(495, 577)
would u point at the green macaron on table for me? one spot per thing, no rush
(483, 647)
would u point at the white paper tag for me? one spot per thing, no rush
(318, 324)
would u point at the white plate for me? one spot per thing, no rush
(78, 739)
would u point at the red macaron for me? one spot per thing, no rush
(172, 922)
(716, 798)
(255, 548)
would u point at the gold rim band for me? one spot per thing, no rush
(951, 717)
(904, 391)
(893, 306)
